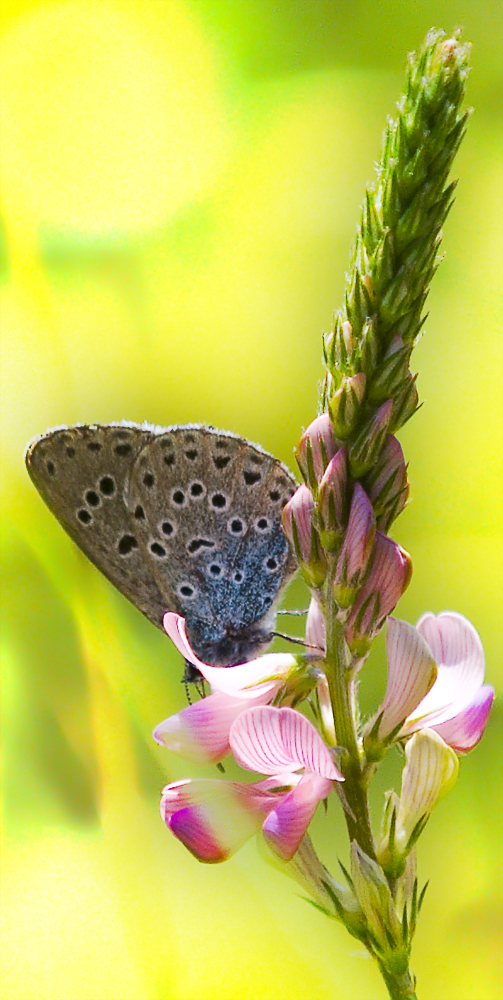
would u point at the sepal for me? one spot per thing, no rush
(375, 898)
(406, 402)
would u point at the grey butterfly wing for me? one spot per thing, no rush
(208, 508)
(82, 473)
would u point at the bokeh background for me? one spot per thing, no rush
(181, 184)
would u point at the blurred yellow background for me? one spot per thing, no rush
(181, 183)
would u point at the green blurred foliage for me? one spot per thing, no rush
(181, 187)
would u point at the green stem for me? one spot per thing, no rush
(400, 987)
(340, 687)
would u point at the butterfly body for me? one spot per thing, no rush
(184, 518)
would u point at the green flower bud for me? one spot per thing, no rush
(406, 402)
(365, 449)
(391, 373)
(346, 403)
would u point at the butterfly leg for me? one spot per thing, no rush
(289, 611)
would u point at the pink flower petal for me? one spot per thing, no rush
(174, 626)
(234, 681)
(286, 825)
(200, 732)
(269, 739)
(332, 497)
(320, 435)
(457, 648)
(298, 514)
(315, 629)
(411, 672)
(464, 731)
(430, 771)
(358, 542)
(213, 818)
(389, 577)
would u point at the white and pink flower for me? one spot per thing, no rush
(200, 732)
(214, 818)
(436, 680)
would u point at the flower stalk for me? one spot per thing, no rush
(337, 522)
(369, 393)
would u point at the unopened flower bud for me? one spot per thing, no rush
(391, 372)
(389, 577)
(365, 450)
(357, 548)
(406, 403)
(332, 503)
(343, 344)
(386, 483)
(315, 449)
(338, 347)
(347, 333)
(359, 301)
(369, 347)
(345, 404)
(299, 528)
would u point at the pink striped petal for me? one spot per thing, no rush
(234, 681)
(200, 732)
(286, 825)
(323, 446)
(358, 542)
(213, 818)
(457, 648)
(411, 673)
(269, 739)
(174, 626)
(297, 520)
(430, 771)
(389, 577)
(464, 731)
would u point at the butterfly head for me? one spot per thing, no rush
(234, 643)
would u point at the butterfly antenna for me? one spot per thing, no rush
(291, 638)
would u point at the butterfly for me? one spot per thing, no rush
(183, 518)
